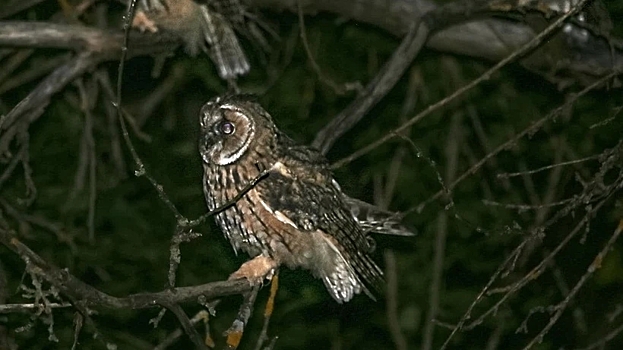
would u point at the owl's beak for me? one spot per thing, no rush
(205, 143)
(209, 144)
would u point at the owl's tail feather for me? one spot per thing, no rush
(343, 276)
(224, 48)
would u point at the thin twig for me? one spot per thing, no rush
(268, 311)
(38, 70)
(78, 323)
(88, 101)
(537, 271)
(29, 307)
(202, 315)
(533, 127)
(188, 327)
(339, 89)
(560, 308)
(376, 89)
(548, 167)
(235, 332)
(71, 286)
(15, 61)
(453, 143)
(601, 343)
(32, 106)
(536, 41)
(392, 301)
(467, 315)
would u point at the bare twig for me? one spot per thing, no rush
(535, 126)
(452, 155)
(268, 311)
(34, 73)
(15, 61)
(235, 332)
(88, 102)
(467, 315)
(536, 41)
(601, 343)
(188, 327)
(392, 301)
(548, 167)
(80, 291)
(376, 89)
(29, 307)
(15, 6)
(339, 89)
(25, 218)
(560, 308)
(32, 106)
(78, 323)
(171, 338)
(537, 271)
(180, 236)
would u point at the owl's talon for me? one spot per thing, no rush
(143, 23)
(256, 270)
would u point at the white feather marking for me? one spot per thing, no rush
(336, 185)
(343, 283)
(225, 160)
(282, 169)
(278, 215)
(283, 218)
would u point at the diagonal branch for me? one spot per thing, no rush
(518, 53)
(382, 83)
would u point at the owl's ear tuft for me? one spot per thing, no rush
(238, 98)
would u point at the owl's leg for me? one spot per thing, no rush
(256, 269)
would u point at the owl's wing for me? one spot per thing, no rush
(318, 207)
(374, 219)
(369, 217)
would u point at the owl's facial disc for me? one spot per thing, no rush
(227, 133)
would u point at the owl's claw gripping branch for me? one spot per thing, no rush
(256, 270)
(143, 23)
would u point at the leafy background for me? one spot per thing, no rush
(132, 227)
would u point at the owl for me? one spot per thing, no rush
(199, 24)
(296, 215)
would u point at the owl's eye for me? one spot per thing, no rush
(226, 127)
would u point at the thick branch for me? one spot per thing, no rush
(79, 291)
(94, 46)
(104, 43)
(376, 89)
(490, 39)
(12, 7)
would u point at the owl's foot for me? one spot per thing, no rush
(256, 269)
(143, 23)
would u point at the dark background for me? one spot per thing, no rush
(463, 238)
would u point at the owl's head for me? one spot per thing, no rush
(230, 126)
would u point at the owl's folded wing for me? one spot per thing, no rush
(313, 207)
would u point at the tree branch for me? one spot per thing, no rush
(79, 291)
(492, 39)
(376, 89)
